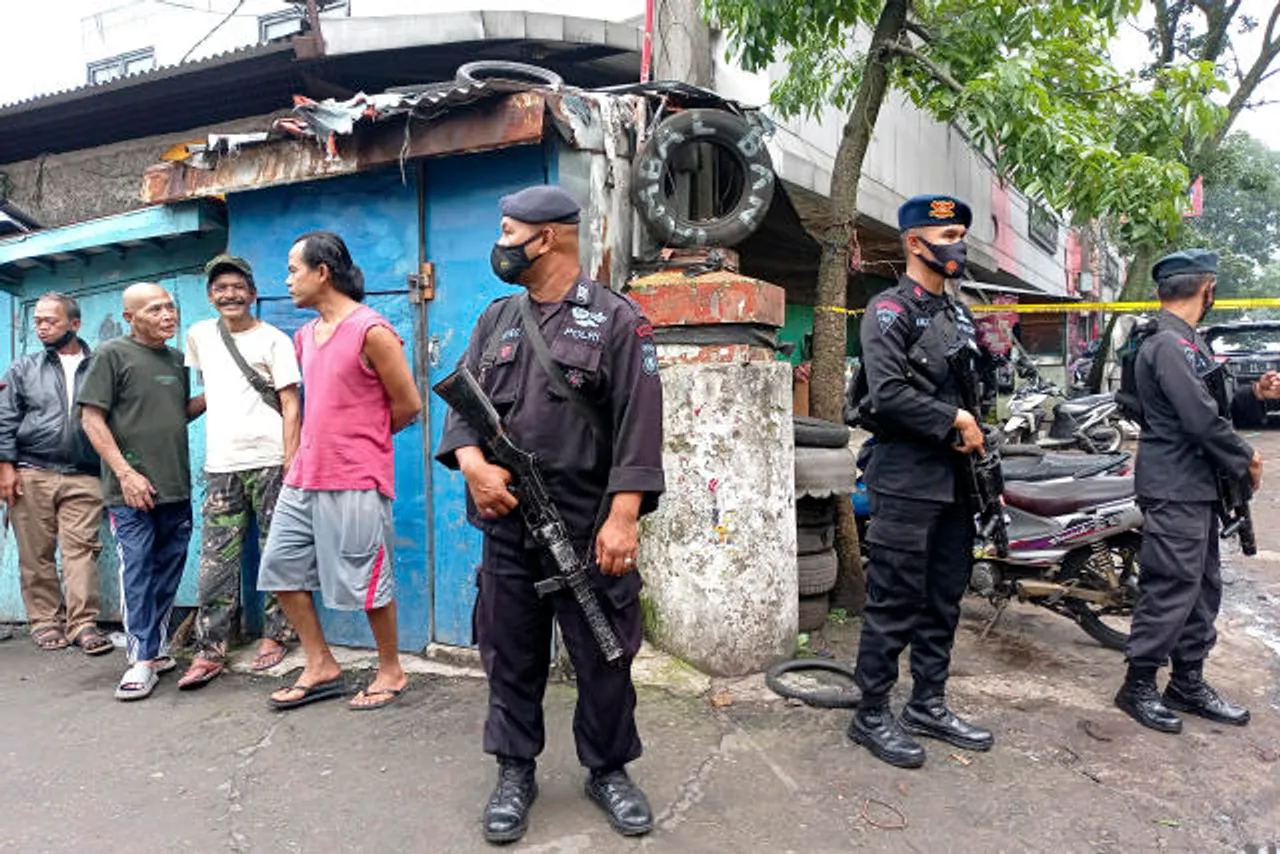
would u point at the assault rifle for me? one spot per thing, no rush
(465, 397)
(1233, 511)
(1233, 493)
(984, 478)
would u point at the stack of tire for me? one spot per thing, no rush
(826, 469)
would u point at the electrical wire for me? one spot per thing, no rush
(216, 27)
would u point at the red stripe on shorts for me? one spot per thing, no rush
(373, 581)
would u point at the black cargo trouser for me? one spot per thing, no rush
(921, 555)
(513, 630)
(1179, 584)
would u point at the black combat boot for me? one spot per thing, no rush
(1188, 692)
(1139, 699)
(506, 816)
(875, 728)
(929, 716)
(622, 801)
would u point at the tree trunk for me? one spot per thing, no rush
(1137, 287)
(830, 341)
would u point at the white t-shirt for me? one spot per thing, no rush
(241, 431)
(71, 364)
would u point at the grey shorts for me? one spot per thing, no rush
(336, 542)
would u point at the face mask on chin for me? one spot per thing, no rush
(949, 259)
(61, 342)
(509, 263)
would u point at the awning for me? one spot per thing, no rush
(149, 226)
(989, 287)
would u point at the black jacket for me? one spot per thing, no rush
(35, 426)
(904, 352)
(1185, 439)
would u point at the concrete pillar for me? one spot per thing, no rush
(719, 556)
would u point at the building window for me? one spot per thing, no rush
(288, 22)
(122, 65)
(1042, 227)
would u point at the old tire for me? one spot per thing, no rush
(818, 698)
(813, 612)
(819, 433)
(817, 572)
(812, 512)
(490, 69)
(823, 472)
(814, 539)
(741, 140)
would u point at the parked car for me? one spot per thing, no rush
(1250, 348)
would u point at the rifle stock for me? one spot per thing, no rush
(463, 394)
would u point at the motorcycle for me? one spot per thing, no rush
(1074, 531)
(1090, 423)
(1073, 549)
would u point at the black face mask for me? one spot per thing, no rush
(951, 258)
(67, 338)
(1208, 302)
(510, 262)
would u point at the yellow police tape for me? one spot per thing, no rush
(1067, 307)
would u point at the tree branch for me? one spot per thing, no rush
(1252, 78)
(938, 72)
(1165, 30)
(921, 31)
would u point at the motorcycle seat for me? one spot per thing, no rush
(1077, 405)
(1059, 499)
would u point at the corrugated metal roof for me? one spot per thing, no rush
(158, 73)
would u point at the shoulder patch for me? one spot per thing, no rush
(887, 313)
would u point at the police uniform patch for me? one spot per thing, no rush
(575, 377)
(1192, 354)
(887, 312)
(586, 317)
(649, 357)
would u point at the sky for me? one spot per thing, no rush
(43, 48)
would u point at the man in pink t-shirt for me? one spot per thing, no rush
(332, 526)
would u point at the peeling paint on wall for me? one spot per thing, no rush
(719, 554)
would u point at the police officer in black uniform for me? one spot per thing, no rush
(598, 439)
(1185, 442)
(920, 538)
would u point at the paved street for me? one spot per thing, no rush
(216, 770)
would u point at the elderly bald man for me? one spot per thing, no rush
(135, 404)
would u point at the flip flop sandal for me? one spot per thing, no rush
(390, 693)
(137, 683)
(267, 660)
(163, 664)
(93, 642)
(201, 672)
(50, 638)
(310, 694)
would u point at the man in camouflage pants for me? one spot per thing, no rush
(250, 375)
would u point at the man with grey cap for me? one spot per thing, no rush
(572, 368)
(250, 377)
(1186, 441)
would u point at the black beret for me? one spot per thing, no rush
(540, 204)
(929, 210)
(1186, 261)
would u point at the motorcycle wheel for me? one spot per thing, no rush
(1106, 439)
(1104, 625)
